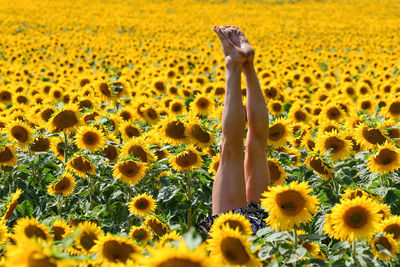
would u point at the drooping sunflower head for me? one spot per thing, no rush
(386, 159)
(60, 229)
(66, 118)
(8, 155)
(234, 221)
(63, 186)
(279, 133)
(369, 137)
(188, 159)
(80, 165)
(276, 172)
(137, 148)
(89, 233)
(142, 205)
(173, 130)
(31, 228)
(388, 242)
(157, 227)
(391, 226)
(140, 234)
(20, 132)
(319, 166)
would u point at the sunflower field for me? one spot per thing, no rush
(110, 123)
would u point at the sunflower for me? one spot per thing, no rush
(393, 129)
(114, 250)
(63, 186)
(151, 114)
(60, 230)
(391, 226)
(156, 226)
(3, 233)
(30, 228)
(366, 104)
(308, 142)
(369, 137)
(104, 90)
(8, 156)
(40, 144)
(298, 114)
(332, 112)
(353, 193)
(392, 109)
(173, 130)
(356, 218)
(11, 205)
(177, 107)
(198, 135)
(129, 171)
(140, 234)
(20, 132)
(142, 205)
(89, 233)
(319, 166)
(289, 205)
(230, 247)
(188, 159)
(234, 221)
(214, 164)
(80, 165)
(385, 160)
(128, 130)
(340, 147)
(66, 118)
(90, 138)
(178, 256)
(169, 237)
(276, 172)
(202, 104)
(111, 153)
(279, 133)
(275, 107)
(388, 242)
(137, 148)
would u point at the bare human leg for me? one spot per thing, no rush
(229, 185)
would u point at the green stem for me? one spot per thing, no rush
(295, 238)
(66, 148)
(59, 204)
(353, 249)
(9, 181)
(91, 189)
(32, 163)
(129, 198)
(189, 197)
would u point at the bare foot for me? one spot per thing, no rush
(235, 45)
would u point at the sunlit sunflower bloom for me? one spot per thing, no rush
(151, 114)
(57, 146)
(177, 107)
(186, 160)
(128, 130)
(30, 228)
(111, 153)
(298, 114)
(388, 242)
(384, 211)
(279, 133)
(89, 233)
(137, 148)
(40, 144)
(294, 155)
(289, 205)
(169, 237)
(355, 147)
(319, 166)
(366, 104)
(34, 254)
(129, 171)
(202, 104)
(198, 135)
(234, 221)
(386, 159)
(11, 205)
(356, 218)
(114, 250)
(231, 247)
(104, 90)
(66, 118)
(142, 205)
(327, 126)
(80, 165)
(63, 186)
(353, 193)
(173, 131)
(156, 226)
(276, 172)
(392, 109)
(90, 138)
(60, 230)
(391, 226)
(20, 132)
(214, 164)
(45, 113)
(311, 247)
(393, 130)
(340, 147)
(8, 156)
(333, 112)
(369, 137)
(308, 142)
(178, 256)
(275, 107)
(140, 234)
(3, 233)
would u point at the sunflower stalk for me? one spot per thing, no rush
(59, 199)
(91, 189)
(295, 238)
(353, 250)
(32, 163)
(66, 148)
(189, 196)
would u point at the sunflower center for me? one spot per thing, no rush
(58, 232)
(129, 168)
(350, 91)
(394, 108)
(271, 92)
(41, 144)
(10, 209)
(160, 154)
(234, 224)
(126, 116)
(46, 114)
(366, 105)
(394, 133)
(234, 251)
(157, 228)
(5, 96)
(142, 204)
(132, 131)
(62, 185)
(384, 242)
(274, 171)
(291, 202)
(356, 217)
(85, 104)
(202, 103)
(276, 107)
(90, 138)
(179, 262)
(335, 143)
(138, 152)
(110, 153)
(65, 119)
(87, 240)
(276, 132)
(176, 107)
(215, 166)
(385, 156)
(186, 160)
(104, 89)
(333, 113)
(37, 259)
(81, 165)
(200, 134)
(393, 229)
(159, 86)
(373, 136)
(140, 234)
(6, 155)
(310, 144)
(117, 252)
(300, 115)
(34, 231)
(175, 130)
(19, 133)
(152, 114)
